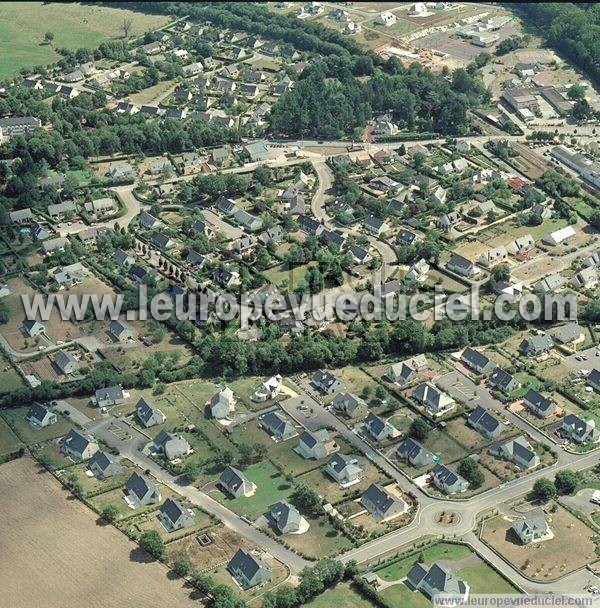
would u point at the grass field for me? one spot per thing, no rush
(9, 442)
(9, 378)
(54, 553)
(15, 417)
(341, 595)
(23, 25)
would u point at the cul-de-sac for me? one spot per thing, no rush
(299, 304)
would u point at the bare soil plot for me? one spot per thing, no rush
(58, 556)
(570, 549)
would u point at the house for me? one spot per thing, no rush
(138, 274)
(220, 155)
(78, 445)
(477, 361)
(162, 241)
(171, 445)
(39, 231)
(386, 18)
(439, 196)
(437, 580)
(65, 209)
(246, 220)
(503, 381)
(360, 255)
(39, 416)
(234, 482)
(569, 335)
(406, 238)
(123, 259)
(448, 481)
(522, 246)
(374, 225)
(418, 271)
(494, 256)
(381, 504)
(350, 404)
(344, 469)
(140, 491)
(103, 465)
(461, 266)
(287, 518)
(148, 414)
(66, 362)
(387, 290)
(32, 328)
(436, 401)
(257, 151)
(148, 221)
(531, 528)
(244, 245)
(539, 405)
(559, 236)
(277, 425)
(226, 278)
(315, 444)
(578, 430)
(18, 125)
(412, 451)
(176, 515)
(248, 570)
(550, 284)
(100, 205)
(592, 261)
(593, 380)
(406, 370)
(222, 404)
(518, 451)
(535, 345)
(160, 166)
(122, 172)
(485, 422)
(326, 382)
(385, 184)
(51, 245)
(120, 331)
(585, 279)
(378, 428)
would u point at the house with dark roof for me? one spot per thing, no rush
(535, 345)
(140, 491)
(436, 401)
(148, 414)
(537, 404)
(120, 331)
(176, 515)
(287, 518)
(78, 445)
(111, 395)
(518, 451)
(412, 451)
(40, 416)
(344, 469)
(66, 362)
(378, 428)
(32, 327)
(248, 569)
(477, 361)
(279, 426)
(593, 379)
(447, 481)
(486, 423)
(463, 267)
(350, 404)
(315, 444)
(326, 382)
(578, 430)
(235, 483)
(436, 580)
(173, 446)
(381, 504)
(533, 527)
(568, 335)
(503, 381)
(407, 370)
(103, 465)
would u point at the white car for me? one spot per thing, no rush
(595, 497)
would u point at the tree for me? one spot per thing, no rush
(306, 500)
(181, 564)
(470, 470)
(48, 37)
(109, 513)
(566, 481)
(126, 26)
(190, 471)
(544, 489)
(151, 541)
(419, 429)
(575, 92)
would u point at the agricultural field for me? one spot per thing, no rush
(71, 555)
(23, 25)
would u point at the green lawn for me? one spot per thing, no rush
(271, 487)
(342, 595)
(23, 25)
(15, 418)
(9, 442)
(9, 378)
(484, 579)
